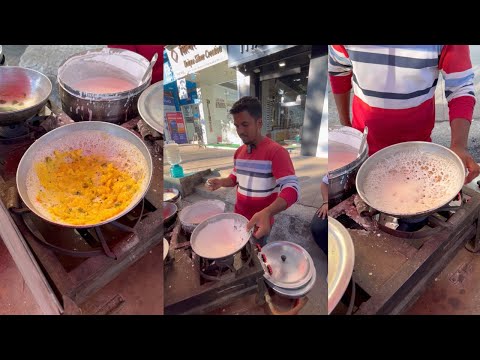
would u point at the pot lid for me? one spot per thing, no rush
(341, 257)
(299, 292)
(165, 248)
(291, 265)
(150, 106)
(200, 211)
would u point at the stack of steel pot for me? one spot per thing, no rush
(289, 268)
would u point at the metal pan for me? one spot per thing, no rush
(169, 211)
(150, 106)
(23, 92)
(379, 157)
(341, 259)
(216, 248)
(50, 142)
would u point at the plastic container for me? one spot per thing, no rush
(176, 171)
(172, 153)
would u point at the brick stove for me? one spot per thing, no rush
(64, 267)
(393, 266)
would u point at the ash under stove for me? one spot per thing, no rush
(396, 260)
(77, 263)
(194, 285)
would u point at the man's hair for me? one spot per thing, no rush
(249, 104)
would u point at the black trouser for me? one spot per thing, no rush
(319, 228)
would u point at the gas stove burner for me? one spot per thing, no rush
(414, 228)
(23, 130)
(412, 225)
(13, 130)
(96, 237)
(404, 225)
(220, 269)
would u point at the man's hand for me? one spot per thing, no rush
(470, 164)
(214, 184)
(322, 211)
(262, 220)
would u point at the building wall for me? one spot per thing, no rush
(219, 100)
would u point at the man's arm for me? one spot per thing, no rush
(284, 173)
(460, 128)
(216, 183)
(262, 218)
(456, 69)
(342, 101)
(340, 75)
(229, 181)
(324, 192)
(322, 211)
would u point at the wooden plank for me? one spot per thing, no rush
(401, 289)
(27, 265)
(110, 269)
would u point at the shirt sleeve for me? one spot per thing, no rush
(233, 174)
(339, 69)
(284, 173)
(325, 179)
(456, 68)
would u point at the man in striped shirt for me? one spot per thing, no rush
(394, 92)
(263, 171)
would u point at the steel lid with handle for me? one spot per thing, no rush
(287, 265)
(341, 258)
(150, 106)
(298, 292)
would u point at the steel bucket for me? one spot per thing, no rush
(341, 182)
(116, 107)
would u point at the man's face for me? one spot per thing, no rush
(247, 127)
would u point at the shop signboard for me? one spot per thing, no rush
(241, 54)
(188, 59)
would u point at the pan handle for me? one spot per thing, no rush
(448, 207)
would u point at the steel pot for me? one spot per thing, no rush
(50, 142)
(217, 248)
(376, 160)
(112, 107)
(171, 195)
(341, 258)
(341, 181)
(23, 92)
(169, 212)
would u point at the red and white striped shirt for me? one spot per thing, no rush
(394, 88)
(262, 176)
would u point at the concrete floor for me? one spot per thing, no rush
(15, 296)
(456, 291)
